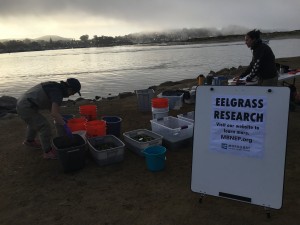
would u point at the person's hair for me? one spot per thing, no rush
(254, 34)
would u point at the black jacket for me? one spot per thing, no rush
(263, 63)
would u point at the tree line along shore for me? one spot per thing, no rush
(189, 36)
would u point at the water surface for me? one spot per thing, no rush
(111, 70)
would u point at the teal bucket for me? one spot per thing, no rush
(155, 157)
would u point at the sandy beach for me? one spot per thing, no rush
(37, 191)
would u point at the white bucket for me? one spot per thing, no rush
(158, 113)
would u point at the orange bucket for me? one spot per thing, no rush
(95, 128)
(160, 102)
(76, 124)
(88, 111)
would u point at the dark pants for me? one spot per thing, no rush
(37, 124)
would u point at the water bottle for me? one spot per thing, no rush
(281, 70)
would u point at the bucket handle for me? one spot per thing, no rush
(75, 150)
(177, 132)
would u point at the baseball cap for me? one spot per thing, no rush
(74, 84)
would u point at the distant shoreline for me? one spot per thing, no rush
(194, 42)
(201, 40)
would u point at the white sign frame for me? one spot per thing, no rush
(255, 180)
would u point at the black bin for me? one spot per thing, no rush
(71, 152)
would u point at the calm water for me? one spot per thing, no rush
(111, 70)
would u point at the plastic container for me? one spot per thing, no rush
(192, 98)
(106, 156)
(144, 99)
(223, 81)
(155, 157)
(172, 129)
(175, 98)
(138, 146)
(95, 128)
(209, 79)
(88, 111)
(158, 113)
(189, 116)
(77, 124)
(220, 81)
(113, 125)
(71, 152)
(160, 107)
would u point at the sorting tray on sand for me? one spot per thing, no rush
(138, 140)
(176, 132)
(106, 149)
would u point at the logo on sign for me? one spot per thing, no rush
(224, 145)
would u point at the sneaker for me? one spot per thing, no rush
(32, 144)
(51, 154)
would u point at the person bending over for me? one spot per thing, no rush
(45, 96)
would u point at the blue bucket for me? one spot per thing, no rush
(113, 125)
(155, 157)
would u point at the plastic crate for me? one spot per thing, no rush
(175, 98)
(172, 129)
(138, 146)
(144, 99)
(189, 116)
(107, 156)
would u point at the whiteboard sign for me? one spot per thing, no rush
(240, 142)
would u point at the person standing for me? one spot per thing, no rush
(45, 96)
(263, 65)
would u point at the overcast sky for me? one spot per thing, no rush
(73, 18)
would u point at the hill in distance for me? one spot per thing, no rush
(43, 38)
(52, 37)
